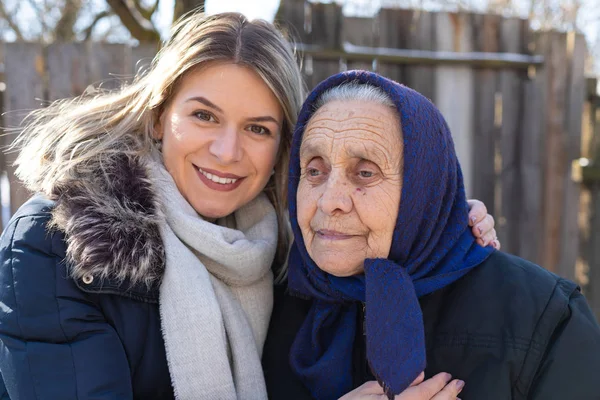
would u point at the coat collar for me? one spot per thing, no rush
(111, 225)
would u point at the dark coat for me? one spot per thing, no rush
(62, 338)
(509, 329)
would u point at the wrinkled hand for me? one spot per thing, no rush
(435, 388)
(482, 224)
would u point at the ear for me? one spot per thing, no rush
(158, 127)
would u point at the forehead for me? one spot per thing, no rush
(229, 86)
(362, 129)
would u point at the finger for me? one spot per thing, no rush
(371, 387)
(450, 391)
(488, 237)
(419, 379)
(431, 386)
(496, 244)
(477, 211)
(368, 390)
(485, 226)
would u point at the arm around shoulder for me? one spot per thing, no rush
(54, 340)
(571, 361)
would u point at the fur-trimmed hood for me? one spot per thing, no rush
(111, 222)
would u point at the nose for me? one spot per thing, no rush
(336, 197)
(227, 147)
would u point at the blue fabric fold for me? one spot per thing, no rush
(432, 248)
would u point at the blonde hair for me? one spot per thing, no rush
(64, 141)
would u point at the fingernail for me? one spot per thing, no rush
(448, 377)
(480, 230)
(460, 385)
(473, 220)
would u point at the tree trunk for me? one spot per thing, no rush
(64, 28)
(184, 6)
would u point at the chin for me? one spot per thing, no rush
(340, 270)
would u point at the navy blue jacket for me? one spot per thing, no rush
(62, 338)
(509, 329)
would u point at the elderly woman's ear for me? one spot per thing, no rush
(482, 224)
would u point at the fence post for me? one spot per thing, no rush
(25, 71)
(589, 263)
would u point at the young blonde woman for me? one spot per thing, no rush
(143, 268)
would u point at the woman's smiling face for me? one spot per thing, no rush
(220, 137)
(351, 179)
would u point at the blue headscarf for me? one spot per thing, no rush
(432, 247)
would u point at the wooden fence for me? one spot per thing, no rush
(514, 100)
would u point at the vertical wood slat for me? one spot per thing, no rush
(569, 238)
(510, 131)
(485, 131)
(24, 71)
(421, 36)
(589, 264)
(555, 160)
(454, 88)
(393, 27)
(531, 140)
(361, 32)
(75, 67)
(326, 30)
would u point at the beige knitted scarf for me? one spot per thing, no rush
(216, 295)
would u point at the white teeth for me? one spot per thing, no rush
(217, 179)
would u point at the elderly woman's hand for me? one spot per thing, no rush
(482, 224)
(435, 388)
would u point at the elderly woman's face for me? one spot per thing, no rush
(350, 184)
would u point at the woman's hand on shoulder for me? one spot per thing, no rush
(438, 387)
(482, 224)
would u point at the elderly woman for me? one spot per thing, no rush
(385, 280)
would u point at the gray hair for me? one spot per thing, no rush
(355, 91)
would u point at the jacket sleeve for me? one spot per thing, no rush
(54, 340)
(569, 366)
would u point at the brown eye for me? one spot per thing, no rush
(259, 130)
(205, 116)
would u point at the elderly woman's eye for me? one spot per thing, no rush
(366, 174)
(312, 172)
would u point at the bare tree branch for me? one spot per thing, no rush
(88, 31)
(146, 12)
(139, 27)
(64, 27)
(9, 18)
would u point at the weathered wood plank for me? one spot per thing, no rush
(486, 128)
(454, 88)
(326, 28)
(576, 53)
(510, 131)
(393, 28)
(361, 32)
(25, 74)
(421, 36)
(555, 160)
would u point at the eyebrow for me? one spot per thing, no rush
(266, 118)
(206, 102)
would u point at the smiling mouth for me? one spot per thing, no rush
(218, 179)
(332, 235)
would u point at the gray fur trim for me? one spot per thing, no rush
(111, 221)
